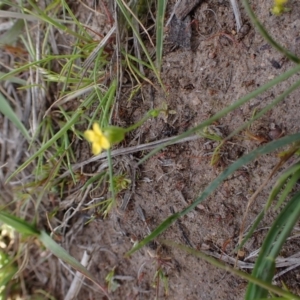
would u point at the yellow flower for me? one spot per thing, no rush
(280, 2)
(279, 7)
(97, 138)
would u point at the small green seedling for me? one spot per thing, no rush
(112, 285)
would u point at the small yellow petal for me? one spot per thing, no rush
(97, 129)
(89, 135)
(96, 148)
(280, 2)
(105, 143)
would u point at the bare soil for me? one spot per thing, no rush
(215, 70)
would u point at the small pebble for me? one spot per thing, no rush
(275, 133)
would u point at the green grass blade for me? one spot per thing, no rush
(280, 183)
(156, 232)
(265, 264)
(268, 107)
(268, 148)
(136, 59)
(251, 230)
(48, 59)
(7, 111)
(13, 79)
(44, 17)
(288, 188)
(111, 176)
(18, 224)
(10, 36)
(73, 119)
(50, 142)
(136, 33)
(161, 8)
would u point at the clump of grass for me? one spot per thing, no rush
(55, 129)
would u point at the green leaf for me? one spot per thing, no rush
(13, 79)
(280, 183)
(288, 188)
(128, 18)
(264, 268)
(18, 224)
(10, 36)
(114, 134)
(161, 8)
(7, 111)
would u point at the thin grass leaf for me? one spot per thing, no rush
(7, 271)
(45, 18)
(111, 178)
(14, 79)
(73, 119)
(288, 188)
(136, 72)
(10, 36)
(99, 177)
(268, 148)
(136, 59)
(268, 107)
(7, 111)
(156, 232)
(161, 8)
(105, 117)
(136, 33)
(264, 268)
(23, 68)
(18, 224)
(234, 271)
(257, 220)
(280, 183)
(71, 14)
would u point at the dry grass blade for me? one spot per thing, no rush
(15, 15)
(237, 14)
(137, 20)
(78, 279)
(95, 52)
(129, 150)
